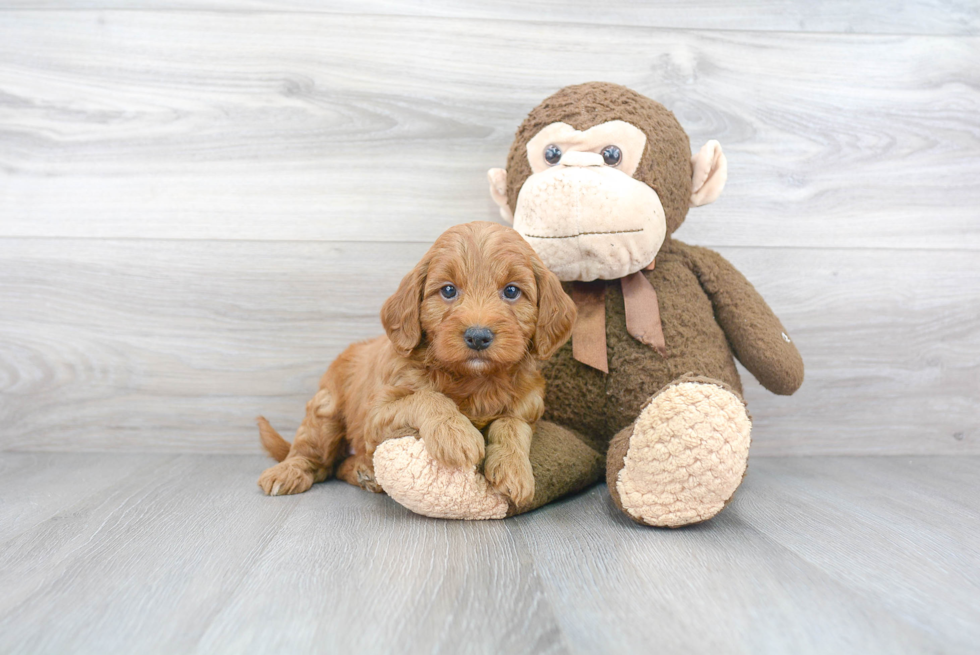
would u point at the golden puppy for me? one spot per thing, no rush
(464, 330)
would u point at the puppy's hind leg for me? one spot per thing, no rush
(313, 454)
(358, 470)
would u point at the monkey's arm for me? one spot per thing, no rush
(756, 336)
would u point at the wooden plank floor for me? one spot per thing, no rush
(141, 553)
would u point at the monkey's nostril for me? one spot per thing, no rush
(478, 338)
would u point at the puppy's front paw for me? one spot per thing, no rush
(285, 478)
(455, 443)
(510, 473)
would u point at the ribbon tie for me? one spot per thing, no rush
(642, 318)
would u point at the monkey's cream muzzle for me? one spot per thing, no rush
(588, 221)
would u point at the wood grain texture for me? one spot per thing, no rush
(843, 541)
(380, 580)
(149, 554)
(815, 555)
(200, 209)
(176, 345)
(200, 125)
(37, 486)
(891, 346)
(927, 531)
(871, 16)
(196, 559)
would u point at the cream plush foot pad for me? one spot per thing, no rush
(686, 457)
(413, 479)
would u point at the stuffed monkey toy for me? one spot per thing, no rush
(598, 179)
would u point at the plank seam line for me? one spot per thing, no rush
(479, 19)
(109, 240)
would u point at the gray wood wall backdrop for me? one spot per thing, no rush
(202, 202)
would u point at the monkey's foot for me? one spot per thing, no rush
(414, 479)
(684, 456)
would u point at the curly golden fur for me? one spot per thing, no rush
(424, 379)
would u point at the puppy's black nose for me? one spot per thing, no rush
(478, 338)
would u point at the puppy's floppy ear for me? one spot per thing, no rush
(556, 312)
(400, 313)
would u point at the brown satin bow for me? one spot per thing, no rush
(642, 318)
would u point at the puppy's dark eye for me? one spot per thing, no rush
(552, 154)
(511, 292)
(612, 155)
(448, 292)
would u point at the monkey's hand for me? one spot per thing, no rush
(413, 479)
(758, 338)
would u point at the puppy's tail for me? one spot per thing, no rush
(271, 441)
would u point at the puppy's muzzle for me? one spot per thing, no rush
(478, 338)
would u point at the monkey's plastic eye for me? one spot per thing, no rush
(511, 292)
(552, 154)
(448, 292)
(612, 155)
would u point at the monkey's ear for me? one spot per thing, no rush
(400, 313)
(556, 312)
(710, 173)
(498, 191)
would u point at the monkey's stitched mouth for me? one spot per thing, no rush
(582, 234)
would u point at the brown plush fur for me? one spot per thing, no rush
(423, 379)
(666, 161)
(710, 313)
(563, 463)
(707, 309)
